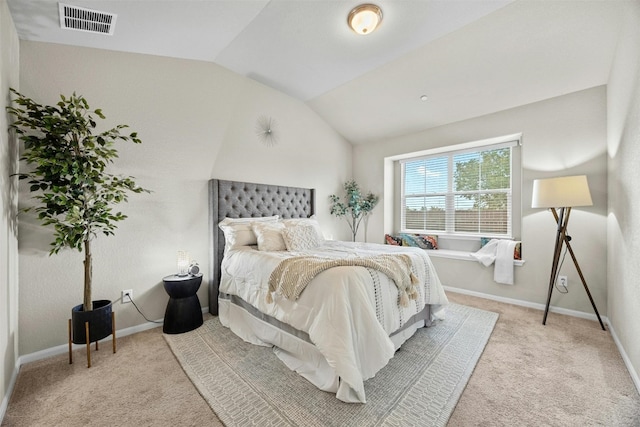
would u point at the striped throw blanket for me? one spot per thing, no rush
(292, 275)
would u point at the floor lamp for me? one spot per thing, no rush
(559, 195)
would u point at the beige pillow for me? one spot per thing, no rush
(305, 221)
(238, 231)
(269, 236)
(300, 237)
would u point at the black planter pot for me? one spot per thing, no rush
(100, 324)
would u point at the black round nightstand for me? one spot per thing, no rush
(183, 312)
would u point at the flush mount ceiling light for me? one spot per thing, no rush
(364, 19)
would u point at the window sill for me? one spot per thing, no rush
(463, 255)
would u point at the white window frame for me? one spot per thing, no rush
(514, 218)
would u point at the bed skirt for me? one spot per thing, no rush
(294, 347)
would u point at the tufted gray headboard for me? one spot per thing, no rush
(235, 199)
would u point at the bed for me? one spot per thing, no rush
(348, 319)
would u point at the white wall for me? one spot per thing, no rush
(197, 121)
(9, 68)
(562, 136)
(624, 191)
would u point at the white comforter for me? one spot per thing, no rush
(348, 312)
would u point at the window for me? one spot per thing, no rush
(467, 191)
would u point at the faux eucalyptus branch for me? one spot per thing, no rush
(355, 206)
(67, 174)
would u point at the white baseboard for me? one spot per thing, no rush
(60, 349)
(537, 306)
(64, 348)
(625, 358)
(560, 310)
(7, 396)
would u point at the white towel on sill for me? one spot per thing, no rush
(487, 254)
(503, 268)
(500, 252)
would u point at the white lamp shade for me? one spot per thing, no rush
(567, 191)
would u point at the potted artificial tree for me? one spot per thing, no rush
(67, 171)
(355, 208)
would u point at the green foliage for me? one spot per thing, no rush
(67, 170)
(490, 171)
(355, 206)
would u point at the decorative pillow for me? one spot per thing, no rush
(300, 237)
(517, 251)
(238, 231)
(392, 240)
(431, 241)
(422, 241)
(305, 221)
(269, 236)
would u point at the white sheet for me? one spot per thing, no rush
(347, 315)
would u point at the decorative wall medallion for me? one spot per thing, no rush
(266, 130)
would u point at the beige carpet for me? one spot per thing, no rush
(420, 385)
(567, 373)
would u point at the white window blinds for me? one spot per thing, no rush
(463, 192)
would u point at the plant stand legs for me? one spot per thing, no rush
(70, 344)
(86, 328)
(86, 331)
(113, 331)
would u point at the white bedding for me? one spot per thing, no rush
(348, 312)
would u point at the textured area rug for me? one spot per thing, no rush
(248, 385)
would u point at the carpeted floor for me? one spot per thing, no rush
(420, 386)
(567, 373)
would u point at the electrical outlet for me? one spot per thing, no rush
(127, 294)
(562, 281)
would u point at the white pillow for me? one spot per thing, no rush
(238, 232)
(269, 236)
(228, 220)
(300, 237)
(305, 221)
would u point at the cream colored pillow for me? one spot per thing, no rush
(305, 221)
(300, 237)
(269, 236)
(238, 231)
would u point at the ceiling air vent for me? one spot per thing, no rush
(81, 19)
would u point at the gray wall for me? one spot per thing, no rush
(197, 121)
(562, 136)
(624, 191)
(9, 68)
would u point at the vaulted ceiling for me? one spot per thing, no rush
(469, 57)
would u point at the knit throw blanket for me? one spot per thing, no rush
(292, 275)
